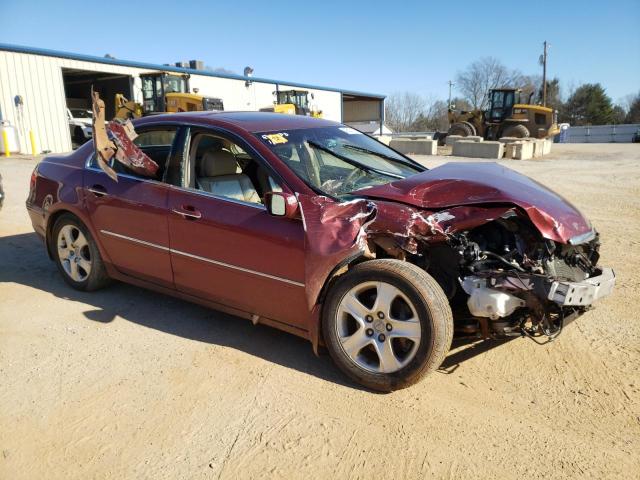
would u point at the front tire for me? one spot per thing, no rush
(76, 254)
(461, 129)
(516, 131)
(387, 324)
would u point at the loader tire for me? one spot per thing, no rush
(460, 129)
(517, 131)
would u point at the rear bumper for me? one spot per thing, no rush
(582, 294)
(37, 220)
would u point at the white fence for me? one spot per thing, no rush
(600, 134)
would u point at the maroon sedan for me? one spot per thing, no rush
(312, 227)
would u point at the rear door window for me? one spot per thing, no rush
(156, 143)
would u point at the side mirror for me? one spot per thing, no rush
(281, 204)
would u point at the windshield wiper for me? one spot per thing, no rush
(353, 163)
(377, 154)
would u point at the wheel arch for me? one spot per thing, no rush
(53, 217)
(315, 327)
(431, 300)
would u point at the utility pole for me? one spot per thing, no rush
(544, 75)
(451, 84)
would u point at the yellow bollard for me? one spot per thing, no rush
(32, 137)
(5, 141)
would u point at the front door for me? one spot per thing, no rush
(225, 246)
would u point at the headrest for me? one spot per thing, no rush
(218, 162)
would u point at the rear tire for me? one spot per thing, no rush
(461, 129)
(387, 324)
(516, 131)
(76, 255)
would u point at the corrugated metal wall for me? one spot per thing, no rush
(38, 80)
(602, 134)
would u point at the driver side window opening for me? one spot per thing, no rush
(222, 168)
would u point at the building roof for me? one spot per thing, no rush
(150, 66)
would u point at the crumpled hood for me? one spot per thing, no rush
(455, 184)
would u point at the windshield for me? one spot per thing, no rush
(294, 97)
(174, 84)
(338, 160)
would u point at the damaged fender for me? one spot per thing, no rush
(333, 232)
(337, 231)
(408, 226)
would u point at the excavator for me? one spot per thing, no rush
(510, 114)
(164, 92)
(293, 102)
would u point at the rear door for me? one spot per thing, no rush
(232, 251)
(130, 215)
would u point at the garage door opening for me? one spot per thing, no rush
(77, 89)
(364, 113)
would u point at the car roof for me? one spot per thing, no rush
(249, 121)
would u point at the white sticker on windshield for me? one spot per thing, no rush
(350, 130)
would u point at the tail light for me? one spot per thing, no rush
(32, 185)
(34, 175)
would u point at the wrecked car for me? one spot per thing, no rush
(314, 228)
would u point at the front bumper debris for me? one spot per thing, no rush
(584, 293)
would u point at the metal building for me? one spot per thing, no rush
(38, 85)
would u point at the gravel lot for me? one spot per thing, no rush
(126, 383)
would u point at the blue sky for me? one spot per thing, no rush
(379, 47)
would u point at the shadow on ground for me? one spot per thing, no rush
(23, 260)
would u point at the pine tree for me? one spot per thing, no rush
(589, 105)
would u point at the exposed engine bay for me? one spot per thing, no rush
(504, 279)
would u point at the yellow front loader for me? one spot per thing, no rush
(293, 102)
(508, 115)
(165, 92)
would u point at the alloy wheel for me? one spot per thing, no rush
(74, 253)
(378, 327)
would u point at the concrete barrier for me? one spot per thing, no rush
(509, 149)
(417, 147)
(546, 148)
(538, 148)
(451, 139)
(509, 139)
(519, 150)
(386, 139)
(470, 148)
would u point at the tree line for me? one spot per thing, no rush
(587, 104)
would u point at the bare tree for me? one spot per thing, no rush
(434, 117)
(483, 75)
(402, 110)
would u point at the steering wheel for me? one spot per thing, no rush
(352, 179)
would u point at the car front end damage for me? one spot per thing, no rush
(518, 283)
(513, 257)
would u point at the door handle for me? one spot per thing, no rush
(98, 190)
(188, 212)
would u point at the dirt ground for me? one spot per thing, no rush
(126, 383)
